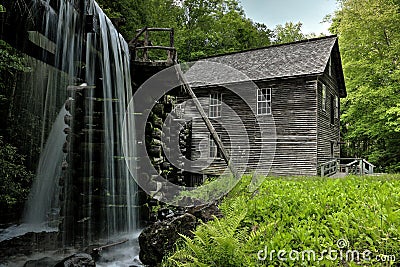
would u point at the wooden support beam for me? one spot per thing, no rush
(156, 47)
(207, 121)
(157, 29)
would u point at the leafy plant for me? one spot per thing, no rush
(297, 215)
(15, 178)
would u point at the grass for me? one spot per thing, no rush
(299, 216)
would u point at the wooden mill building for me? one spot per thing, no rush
(289, 105)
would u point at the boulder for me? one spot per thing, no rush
(156, 240)
(206, 213)
(160, 237)
(43, 262)
(77, 260)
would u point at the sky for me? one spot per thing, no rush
(273, 12)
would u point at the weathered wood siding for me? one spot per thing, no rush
(234, 137)
(294, 112)
(286, 141)
(328, 133)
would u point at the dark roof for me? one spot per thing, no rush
(308, 57)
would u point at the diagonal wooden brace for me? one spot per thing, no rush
(207, 121)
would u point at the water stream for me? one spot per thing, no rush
(95, 197)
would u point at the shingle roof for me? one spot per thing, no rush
(287, 60)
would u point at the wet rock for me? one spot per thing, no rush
(136, 263)
(164, 214)
(28, 244)
(156, 240)
(206, 213)
(77, 260)
(43, 262)
(159, 238)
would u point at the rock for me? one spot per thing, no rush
(43, 262)
(28, 244)
(77, 260)
(136, 263)
(206, 213)
(156, 240)
(164, 214)
(67, 119)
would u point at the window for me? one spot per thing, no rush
(333, 110)
(215, 105)
(336, 107)
(330, 66)
(264, 101)
(214, 151)
(323, 97)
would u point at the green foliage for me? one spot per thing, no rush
(298, 214)
(370, 46)
(202, 27)
(218, 243)
(11, 62)
(215, 27)
(291, 32)
(211, 190)
(15, 178)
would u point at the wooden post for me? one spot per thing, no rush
(208, 123)
(171, 53)
(146, 43)
(336, 166)
(361, 167)
(322, 170)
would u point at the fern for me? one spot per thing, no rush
(217, 243)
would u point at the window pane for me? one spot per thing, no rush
(264, 101)
(215, 105)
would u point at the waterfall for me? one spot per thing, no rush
(94, 193)
(44, 193)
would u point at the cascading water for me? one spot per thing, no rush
(43, 201)
(97, 195)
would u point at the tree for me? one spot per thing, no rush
(291, 32)
(369, 32)
(217, 26)
(202, 27)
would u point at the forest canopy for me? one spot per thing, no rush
(203, 27)
(369, 38)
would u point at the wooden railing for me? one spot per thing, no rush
(137, 43)
(356, 166)
(329, 168)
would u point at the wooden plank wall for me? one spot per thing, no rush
(294, 112)
(327, 132)
(285, 141)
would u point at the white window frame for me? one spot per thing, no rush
(213, 151)
(336, 107)
(324, 96)
(215, 107)
(330, 66)
(264, 101)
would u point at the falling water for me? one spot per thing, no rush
(96, 195)
(43, 200)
